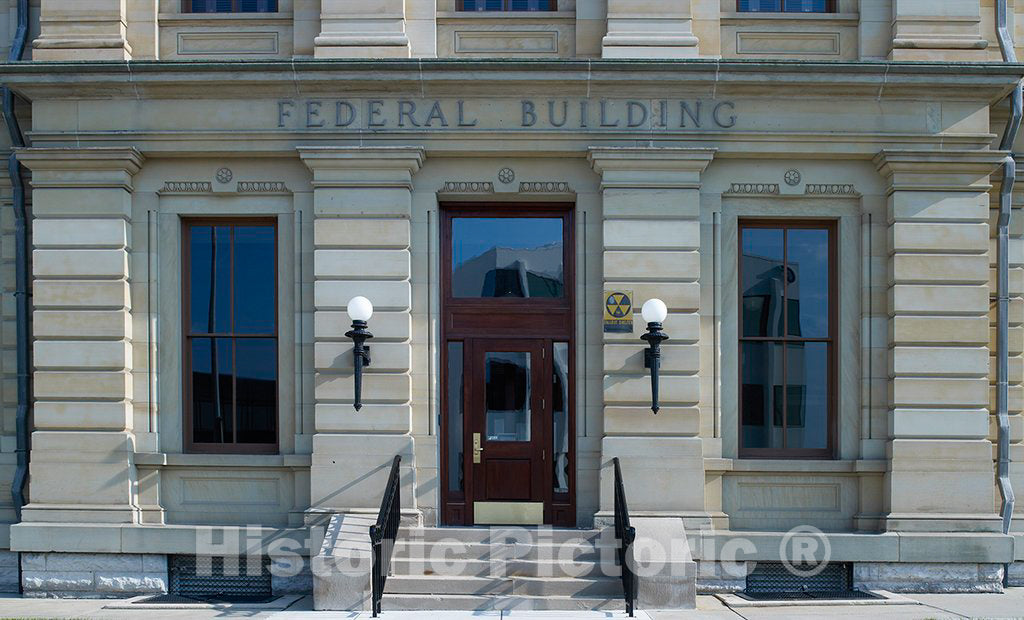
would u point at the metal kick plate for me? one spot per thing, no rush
(508, 513)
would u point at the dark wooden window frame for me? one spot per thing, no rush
(832, 426)
(549, 318)
(188, 6)
(831, 6)
(506, 6)
(187, 335)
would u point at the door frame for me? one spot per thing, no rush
(468, 319)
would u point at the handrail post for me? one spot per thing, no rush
(384, 532)
(625, 535)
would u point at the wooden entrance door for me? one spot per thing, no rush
(507, 403)
(506, 432)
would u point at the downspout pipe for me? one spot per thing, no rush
(1003, 273)
(21, 268)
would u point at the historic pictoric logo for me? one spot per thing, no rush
(618, 312)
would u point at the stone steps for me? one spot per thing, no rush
(509, 568)
(433, 602)
(503, 568)
(494, 586)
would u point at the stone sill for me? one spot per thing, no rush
(731, 19)
(224, 19)
(261, 461)
(795, 466)
(499, 16)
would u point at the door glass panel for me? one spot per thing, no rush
(763, 283)
(560, 417)
(507, 389)
(456, 481)
(507, 257)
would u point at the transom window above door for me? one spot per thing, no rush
(503, 257)
(786, 6)
(507, 5)
(229, 6)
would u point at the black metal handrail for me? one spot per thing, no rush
(383, 534)
(625, 534)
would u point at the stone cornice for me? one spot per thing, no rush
(456, 77)
(665, 167)
(377, 166)
(939, 170)
(82, 167)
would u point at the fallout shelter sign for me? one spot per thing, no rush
(618, 312)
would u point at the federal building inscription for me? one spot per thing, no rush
(521, 114)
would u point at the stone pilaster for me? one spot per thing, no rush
(82, 466)
(362, 203)
(651, 231)
(940, 468)
(365, 29)
(1016, 348)
(937, 30)
(83, 30)
(649, 29)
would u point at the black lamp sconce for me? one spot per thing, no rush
(654, 312)
(359, 310)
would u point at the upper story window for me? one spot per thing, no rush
(787, 342)
(229, 6)
(786, 6)
(507, 5)
(230, 320)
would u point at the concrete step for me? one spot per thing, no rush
(586, 552)
(491, 586)
(528, 535)
(508, 568)
(433, 602)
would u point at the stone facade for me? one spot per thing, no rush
(637, 117)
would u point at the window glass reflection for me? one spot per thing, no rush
(256, 389)
(806, 395)
(760, 391)
(807, 292)
(507, 257)
(254, 280)
(508, 390)
(763, 272)
(454, 419)
(560, 416)
(779, 6)
(210, 279)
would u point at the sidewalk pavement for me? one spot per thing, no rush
(931, 607)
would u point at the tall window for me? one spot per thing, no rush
(787, 338)
(230, 321)
(229, 6)
(508, 5)
(786, 6)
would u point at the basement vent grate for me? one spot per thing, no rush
(773, 581)
(213, 580)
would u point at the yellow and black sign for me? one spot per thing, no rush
(618, 312)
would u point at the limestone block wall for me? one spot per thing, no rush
(940, 457)
(8, 365)
(82, 335)
(362, 206)
(93, 575)
(651, 233)
(1016, 342)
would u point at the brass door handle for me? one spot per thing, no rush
(477, 449)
